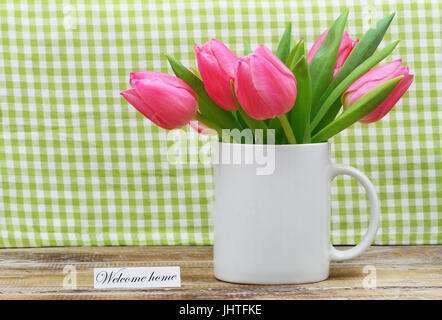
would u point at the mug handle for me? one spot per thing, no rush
(338, 255)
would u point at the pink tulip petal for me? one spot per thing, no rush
(216, 64)
(137, 102)
(164, 77)
(247, 95)
(373, 79)
(376, 74)
(277, 89)
(216, 81)
(388, 104)
(225, 57)
(138, 75)
(265, 52)
(174, 106)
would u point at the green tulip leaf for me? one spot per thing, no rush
(196, 72)
(353, 76)
(364, 49)
(241, 120)
(361, 52)
(329, 116)
(324, 60)
(295, 54)
(283, 50)
(208, 108)
(362, 107)
(300, 114)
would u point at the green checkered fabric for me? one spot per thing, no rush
(79, 166)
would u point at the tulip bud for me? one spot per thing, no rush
(167, 101)
(374, 78)
(264, 86)
(216, 64)
(347, 45)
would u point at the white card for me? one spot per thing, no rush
(148, 277)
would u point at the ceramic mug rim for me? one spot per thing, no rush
(279, 146)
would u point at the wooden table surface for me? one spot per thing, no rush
(401, 272)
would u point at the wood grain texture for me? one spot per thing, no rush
(402, 272)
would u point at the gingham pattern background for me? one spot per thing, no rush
(79, 166)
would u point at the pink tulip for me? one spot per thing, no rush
(347, 45)
(167, 101)
(374, 78)
(265, 87)
(216, 64)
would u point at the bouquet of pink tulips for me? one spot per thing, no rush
(297, 97)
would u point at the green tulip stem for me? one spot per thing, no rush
(287, 129)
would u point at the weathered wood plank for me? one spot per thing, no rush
(404, 272)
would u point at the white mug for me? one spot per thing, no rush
(274, 227)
